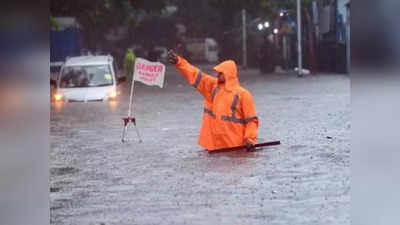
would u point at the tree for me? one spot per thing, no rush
(148, 6)
(256, 9)
(231, 23)
(234, 4)
(99, 17)
(200, 19)
(153, 31)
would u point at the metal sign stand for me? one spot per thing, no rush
(130, 118)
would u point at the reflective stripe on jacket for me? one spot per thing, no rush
(229, 117)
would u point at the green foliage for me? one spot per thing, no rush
(199, 17)
(129, 63)
(154, 31)
(234, 4)
(99, 17)
(152, 7)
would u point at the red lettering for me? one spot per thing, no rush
(148, 73)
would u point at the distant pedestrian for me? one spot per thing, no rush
(129, 64)
(229, 117)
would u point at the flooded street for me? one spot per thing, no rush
(169, 179)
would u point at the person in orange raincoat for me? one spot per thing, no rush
(229, 118)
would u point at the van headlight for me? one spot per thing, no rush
(58, 97)
(112, 94)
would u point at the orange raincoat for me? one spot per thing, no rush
(229, 117)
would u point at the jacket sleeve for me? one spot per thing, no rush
(250, 117)
(204, 83)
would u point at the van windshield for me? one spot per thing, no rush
(86, 76)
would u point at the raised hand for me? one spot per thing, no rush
(172, 57)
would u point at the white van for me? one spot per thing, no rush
(88, 78)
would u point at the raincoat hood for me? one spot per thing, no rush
(228, 68)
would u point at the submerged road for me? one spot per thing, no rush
(169, 179)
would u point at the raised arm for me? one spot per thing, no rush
(204, 83)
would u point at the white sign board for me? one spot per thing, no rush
(150, 73)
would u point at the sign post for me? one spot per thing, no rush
(299, 49)
(130, 118)
(149, 73)
(244, 38)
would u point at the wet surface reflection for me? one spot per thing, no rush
(169, 179)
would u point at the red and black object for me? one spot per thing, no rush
(126, 123)
(129, 119)
(264, 144)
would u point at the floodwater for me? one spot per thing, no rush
(169, 179)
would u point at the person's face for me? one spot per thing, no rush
(221, 78)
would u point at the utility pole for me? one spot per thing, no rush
(244, 37)
(299, 51)
(348, 38)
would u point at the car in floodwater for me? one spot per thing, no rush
(88, 78)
